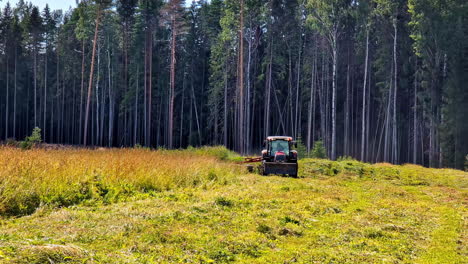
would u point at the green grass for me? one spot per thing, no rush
(336, 212)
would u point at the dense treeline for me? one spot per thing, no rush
(378, 80)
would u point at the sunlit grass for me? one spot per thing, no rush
(34, 178)
(196, 206)
(408, 174)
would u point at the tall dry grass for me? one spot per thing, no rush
(35, 178)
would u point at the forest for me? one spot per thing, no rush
(375, 80)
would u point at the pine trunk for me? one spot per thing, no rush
(310, 126)
(44, 130)
(135, 108)
(241, 135)
(35, 84)
(172, 84)
(363, 127)
(247, 109)
(82, 88)
(181, 130)
(88, 102)
(145, 92)
(225, 123)
(415, 119)
(196, 114)
(268, 93)
(335, 64)
(150, 83)
(97, 94)
(7, 98)
(347, 110)
(15, 93)
(394, 122)
(111, 101)
(298, 83)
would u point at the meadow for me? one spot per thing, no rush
(199, 206)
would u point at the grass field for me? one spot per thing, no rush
(197, 206)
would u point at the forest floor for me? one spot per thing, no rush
(198, 206)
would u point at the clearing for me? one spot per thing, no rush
(197, 206)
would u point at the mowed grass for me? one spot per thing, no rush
(196, 206)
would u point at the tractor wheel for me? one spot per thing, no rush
(294, 175)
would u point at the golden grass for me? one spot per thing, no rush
(33, 178)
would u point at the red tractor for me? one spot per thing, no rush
(278, 156)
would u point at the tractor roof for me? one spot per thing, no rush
(279, 137)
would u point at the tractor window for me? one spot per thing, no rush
(279, 145)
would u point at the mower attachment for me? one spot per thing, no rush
(282, 168)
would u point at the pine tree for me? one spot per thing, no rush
(387, 78)
(126, 11)
(172, 15)
(329, 17)
(49, 27)
(101, 4)
(35, 37)
(7, 38)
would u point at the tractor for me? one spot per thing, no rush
(278, 156)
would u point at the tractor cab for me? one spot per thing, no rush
(279, 148)
(279, 156)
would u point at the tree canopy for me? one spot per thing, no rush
(378, 80)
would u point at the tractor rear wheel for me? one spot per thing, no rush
(293, 175)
